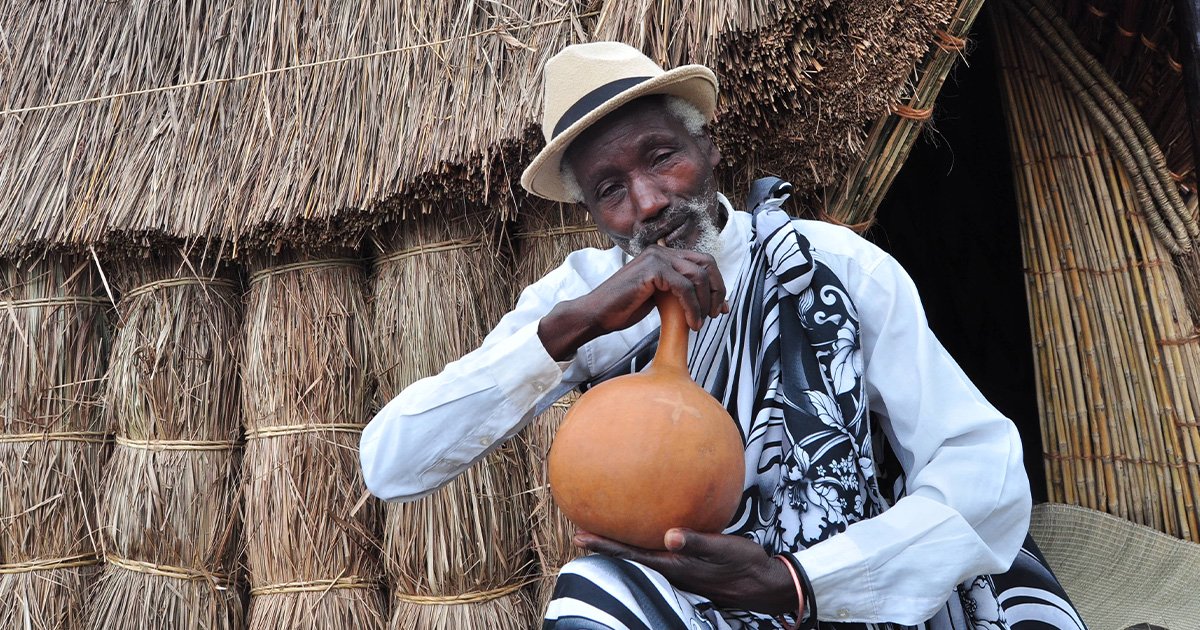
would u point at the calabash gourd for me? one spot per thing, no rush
(642, 453)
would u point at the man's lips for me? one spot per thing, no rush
(671, 233)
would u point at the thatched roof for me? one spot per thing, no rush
(126, 123)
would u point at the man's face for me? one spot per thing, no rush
(645, 178)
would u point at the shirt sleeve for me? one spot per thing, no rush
(967, 504)
(439, 426)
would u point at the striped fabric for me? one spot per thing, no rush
(811, 450)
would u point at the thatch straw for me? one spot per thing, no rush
(546, 234)
(274, 122)
(892, 136)
(168, 517)
(311, 529)
(53, 354)
(1117, 350)
(458, 556)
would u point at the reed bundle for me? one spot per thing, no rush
(54, 343)
(1137, 43)
(168, 517)
(855, 200)
(311, 528)
(546, 235)
(1117, 350)
(1174, 223)
(459, 556)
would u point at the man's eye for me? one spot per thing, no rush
(663, 156)
(608, 191)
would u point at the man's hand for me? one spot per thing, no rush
(731, 571)
(627, 297)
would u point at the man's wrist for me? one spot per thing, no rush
(565, 329)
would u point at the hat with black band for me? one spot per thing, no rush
(586, 82)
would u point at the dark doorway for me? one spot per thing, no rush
(951, 219)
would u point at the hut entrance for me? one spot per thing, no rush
(950, 218)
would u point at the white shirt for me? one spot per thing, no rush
(968, 503)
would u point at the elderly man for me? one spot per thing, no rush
(881, 488)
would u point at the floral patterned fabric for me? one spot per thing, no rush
(815, 463)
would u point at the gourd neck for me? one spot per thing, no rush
(673, 339)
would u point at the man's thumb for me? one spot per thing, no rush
(677, 538)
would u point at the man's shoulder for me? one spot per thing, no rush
(839, 246)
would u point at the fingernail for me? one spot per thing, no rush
(674, 540)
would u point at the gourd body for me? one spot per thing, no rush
(642, 453)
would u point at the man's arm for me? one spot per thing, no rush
(439, 426)
(967, 506)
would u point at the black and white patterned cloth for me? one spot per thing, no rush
(788, 366)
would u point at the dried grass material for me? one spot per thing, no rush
(552, 531)
(53, 354)
(856, 198)
(141, 600)
(48, 599)
(1117, 351)
(315, 153)
(269, 155)
(308, 517)
(171, 488)
(511, 612)
(546, 235)
(433, 303)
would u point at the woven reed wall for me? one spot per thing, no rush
(54, 341)
(1117, 349)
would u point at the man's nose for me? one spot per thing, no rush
(648, 198)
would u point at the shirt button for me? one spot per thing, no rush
(843, 613)
(485, 441)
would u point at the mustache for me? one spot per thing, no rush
(693, 208)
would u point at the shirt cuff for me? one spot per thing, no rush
(828, 564)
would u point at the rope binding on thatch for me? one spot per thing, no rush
(911, 113)
(314, 586)
(150, 287)
(166, 570)
(557, 231)
(89, 437)
(441, 246)
(948, 42)
(69, 562)
(330, 263)
(54, 301)
(178, 445)
(292, 429)
(477, 597)
(499, 30)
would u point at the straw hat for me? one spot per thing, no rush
(1119, 574)
(585, 82)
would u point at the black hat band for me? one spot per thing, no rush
(592, 100)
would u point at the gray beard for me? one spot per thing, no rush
(696, 208)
